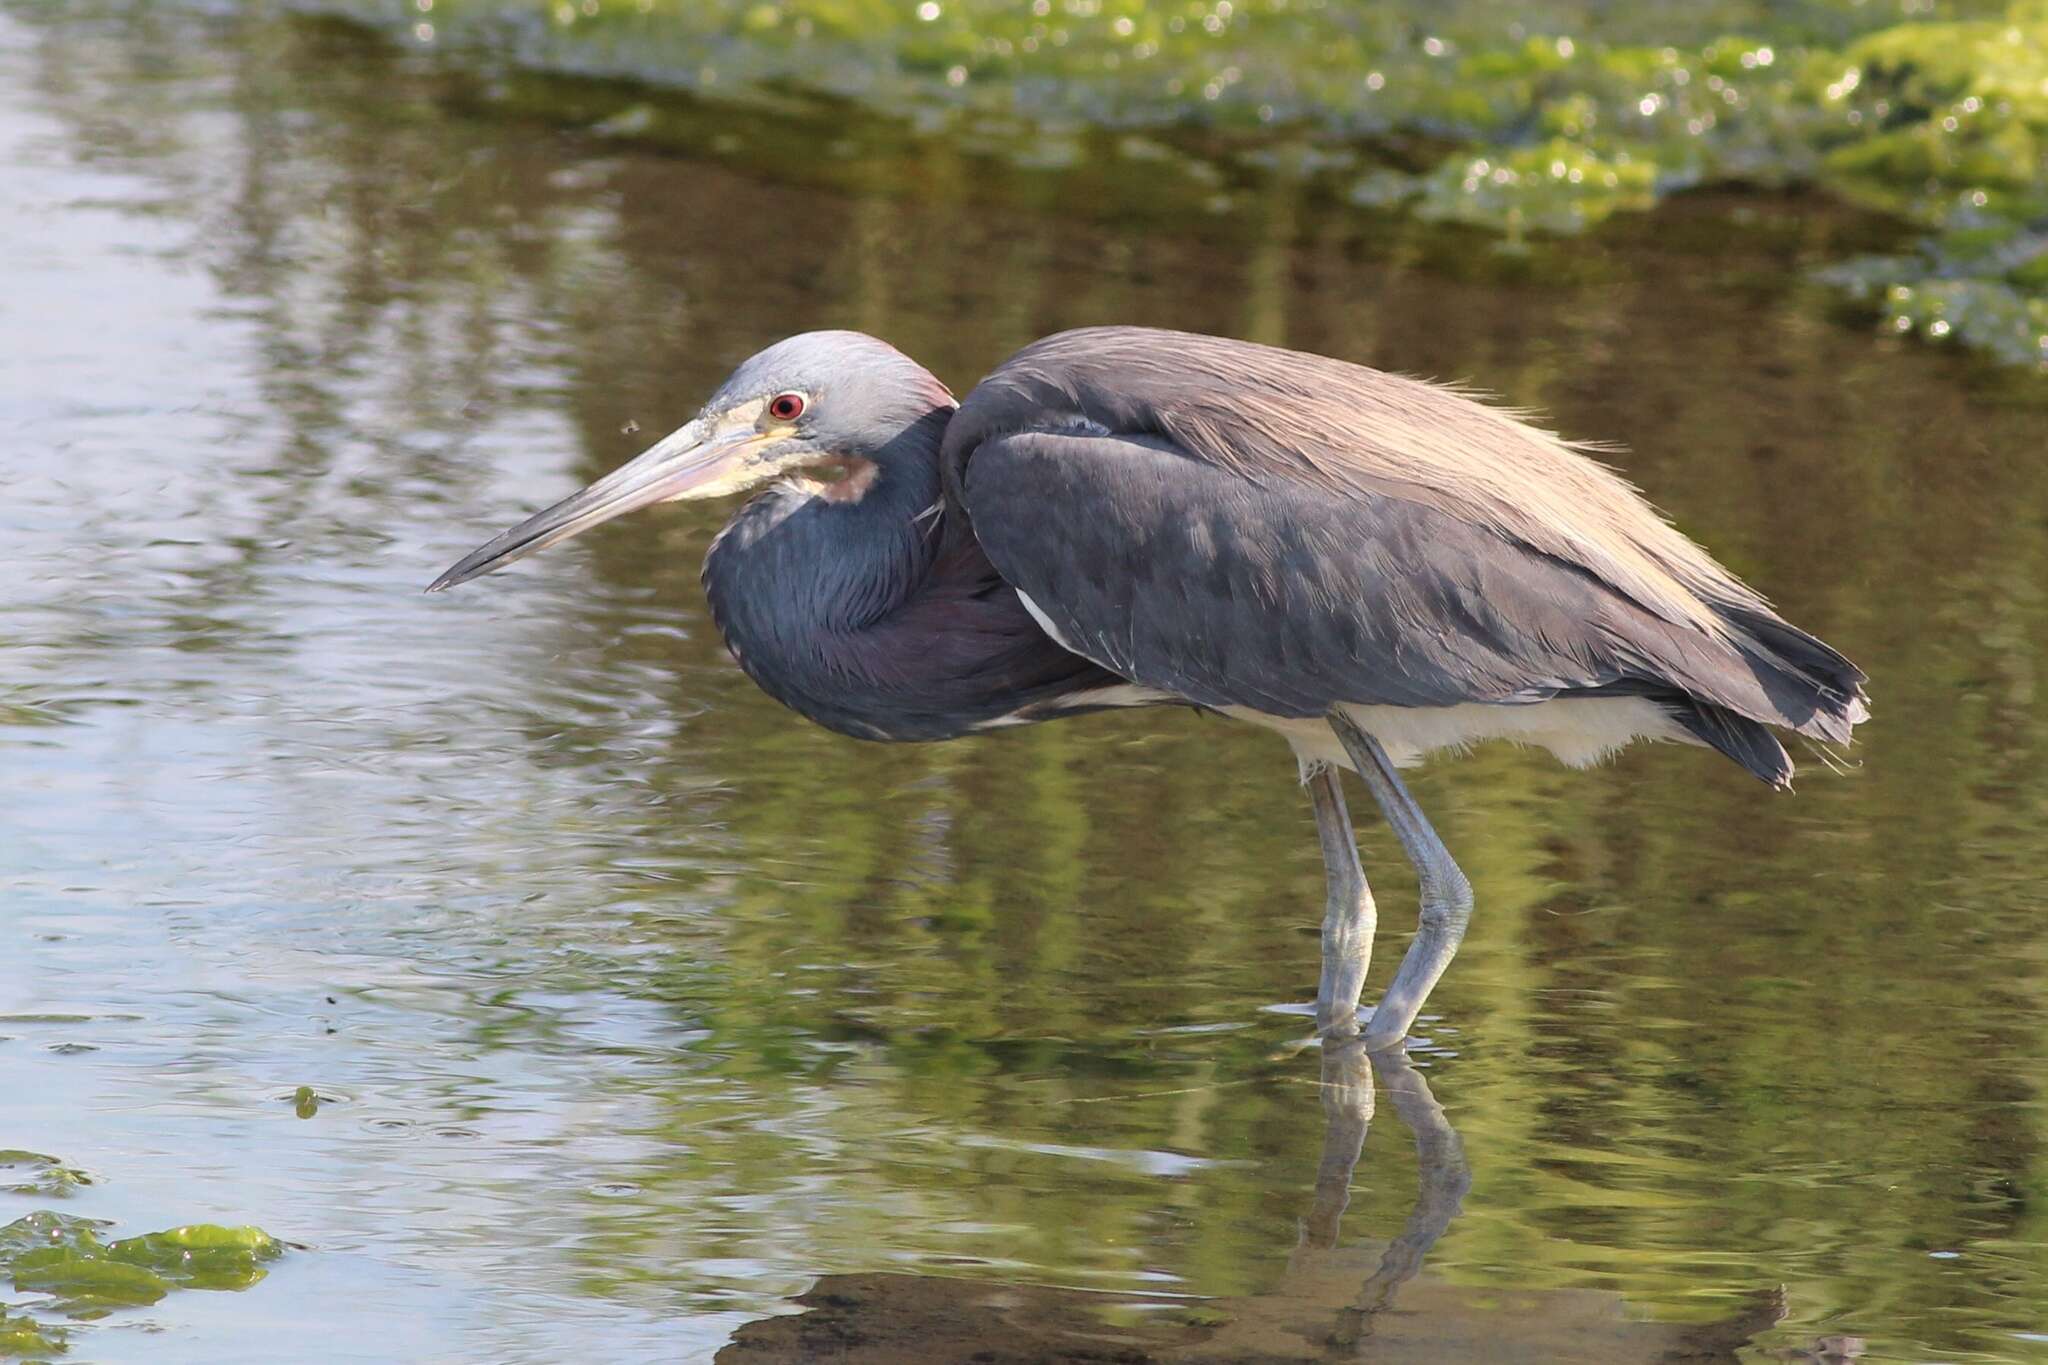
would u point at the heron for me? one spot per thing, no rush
(1377, 567)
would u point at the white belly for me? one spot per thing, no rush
(1579, 730)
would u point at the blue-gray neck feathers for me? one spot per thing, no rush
(879, 615)
(796, 578)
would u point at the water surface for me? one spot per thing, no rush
(631, 1004)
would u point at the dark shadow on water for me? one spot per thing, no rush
(1332, 1303)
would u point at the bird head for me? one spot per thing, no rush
(829, 407)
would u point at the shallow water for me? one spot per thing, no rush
(631, 1004)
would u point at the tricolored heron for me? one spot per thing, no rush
(1374, 566)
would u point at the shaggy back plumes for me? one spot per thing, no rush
(1259, 410)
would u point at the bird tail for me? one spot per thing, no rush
(1774, 674)
(1748, 742)
(1820, 692)
(1730, 693)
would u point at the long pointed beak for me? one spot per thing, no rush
(691, 461)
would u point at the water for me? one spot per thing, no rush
(631, 1005)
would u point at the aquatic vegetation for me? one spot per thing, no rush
(20, 1336)
(1985, 288)
(1558, 187)
(1532, 118)
(86, 1278)
(1957, 120)
(33, 1173)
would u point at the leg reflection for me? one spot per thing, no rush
(1349, 1074)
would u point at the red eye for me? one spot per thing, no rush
(786, 407)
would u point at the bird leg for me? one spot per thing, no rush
(1446, 895)
(1349, 917)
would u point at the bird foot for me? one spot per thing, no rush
(1370, 1041)
(1336, 1031)
(1340, 1026)
(1341, 1030)
(1384, 1040)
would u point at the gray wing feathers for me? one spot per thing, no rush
(1185, 577)
(1249, 526)
(1269, 414)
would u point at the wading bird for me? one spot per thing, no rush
(1376, 567)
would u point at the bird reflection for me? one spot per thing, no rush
(1332, 1302)
(1348, 1076)
(1314, 1312)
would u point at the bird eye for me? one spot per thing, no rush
(786, 407)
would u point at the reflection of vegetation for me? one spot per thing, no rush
(1538, 117)
(997, 1007)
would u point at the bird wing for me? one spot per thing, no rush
(1245, 526)
(1191, 579)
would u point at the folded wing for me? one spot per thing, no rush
(1244, 526)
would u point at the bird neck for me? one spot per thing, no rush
(804, 570)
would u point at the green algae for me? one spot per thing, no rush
(1957, 115)
(1991, 293)
(1544, 118)
(85, 1284)
(200, 1255)
(30, 1340)
(1555, 187)
(85, 1277)
(45, 1229)
(33, 1173)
